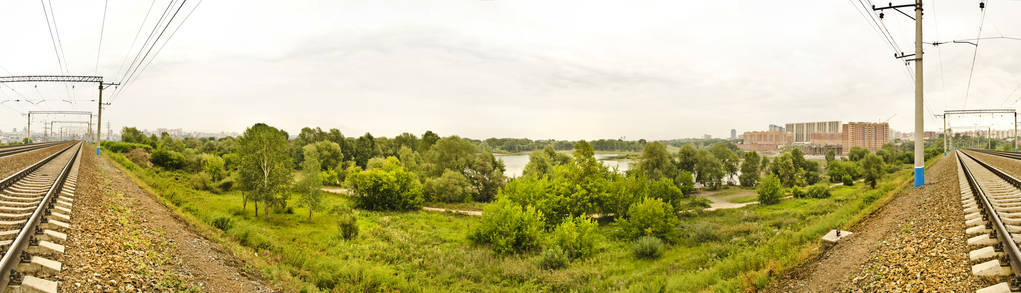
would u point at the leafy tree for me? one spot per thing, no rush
(329, 154)
(830, 156)
(451, 187)
(167, 159)
(857, 153)
(764, 166)
(687, 158)
(539, 164)
(785, 170)
(365, 149)
(265, 165)
(708, 169)
(656, 162)
(133, 135)
(389, 187)
(449, 153)
(770, 190)
(486, 175)
(407, 140)
(410, 158)
(311, 181)
(727, 158)
(213, 165)
(509, 228)
(555, 157)
(665, 190)
(686, 182)
(798, 158)
(872, 166)
(750, 169)
(428, 139)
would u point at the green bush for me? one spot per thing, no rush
(665, 189)
(648, 247)
(347, 226)
(577, 236)
(138, 156)
(509, 228)
(330, 177)
(388, 187)
(650, 217)
(553, 258)
(769, 190)
(847, 179)
(167, 159)
(222, 223)
(123, 147)
(702, 232)
(798, 192)
(819, 191)
(449, 187)
(686, 181)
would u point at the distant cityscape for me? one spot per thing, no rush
(817, 138)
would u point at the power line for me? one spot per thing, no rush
(974, 55)
(135, 40)
(46, 13)
(163, 45)
(102, 28)
(135, 61)
(872, 23)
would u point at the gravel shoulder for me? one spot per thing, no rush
(17, 162)
(915, 242)
(123, 240)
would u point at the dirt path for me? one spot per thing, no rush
(915, 242)
(124, 240)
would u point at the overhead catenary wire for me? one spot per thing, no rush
(974, 56)
(161, 46)
(49, 26)
(138, 32)
(135, 62)
(102, 29)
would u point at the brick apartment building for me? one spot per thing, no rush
(868, 135)
(766, 140)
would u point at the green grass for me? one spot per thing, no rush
(725, 250)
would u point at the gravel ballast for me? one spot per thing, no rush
(17, 162)
(928, 251)
(915, 242)
(123, 241)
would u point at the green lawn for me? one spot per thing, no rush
(725, 250)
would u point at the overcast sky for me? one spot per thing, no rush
(513, 68)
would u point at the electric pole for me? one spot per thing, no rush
(919, 118)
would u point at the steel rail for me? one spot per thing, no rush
(16, 251)
(1011, 252)
(17, 149)
(1009, 155)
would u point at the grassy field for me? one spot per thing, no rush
(725, 250)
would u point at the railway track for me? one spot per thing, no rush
(17, 149)
(35, 211)
(1011, 155)
(992, 205)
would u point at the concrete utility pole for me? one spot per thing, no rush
(919, 122)
(919, 118)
